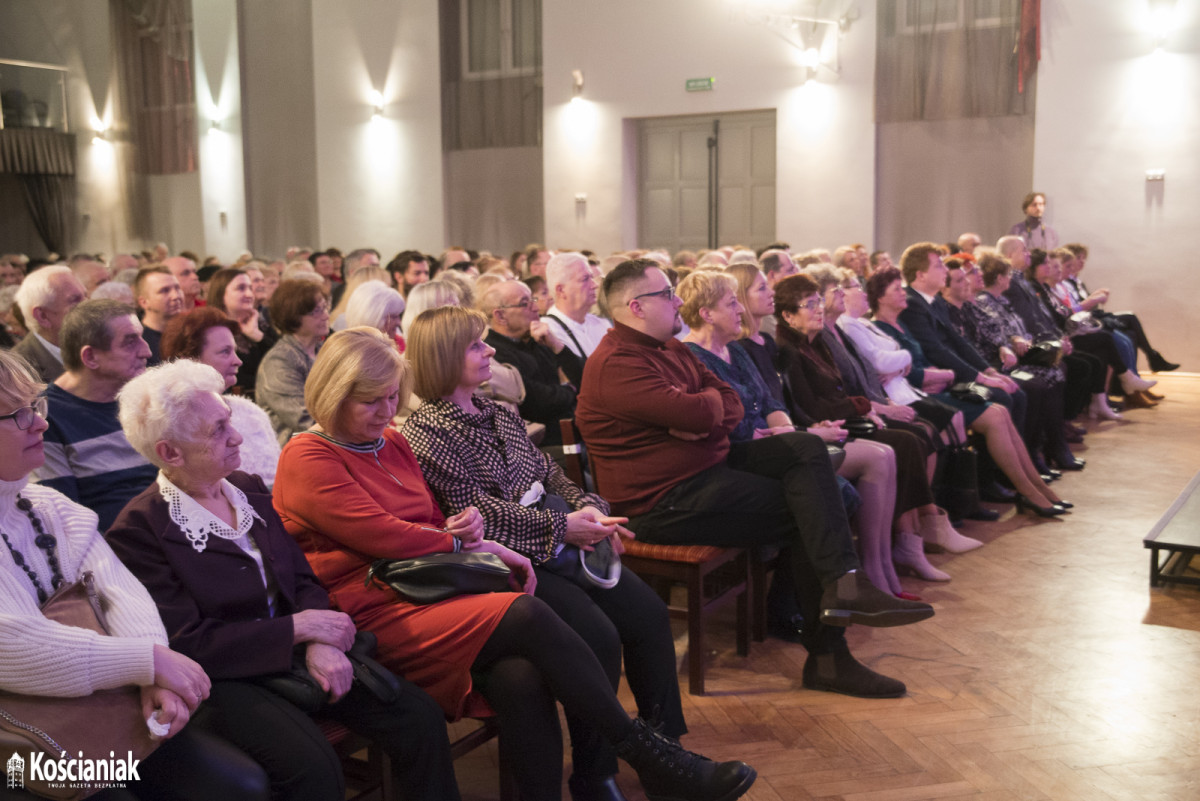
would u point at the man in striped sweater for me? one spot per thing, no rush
(88, 458)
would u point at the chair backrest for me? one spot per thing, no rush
(574, 462)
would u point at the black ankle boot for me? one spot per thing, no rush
(1158, 364)
(669, 772)
(605, 789)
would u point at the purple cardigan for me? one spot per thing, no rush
(213, 602)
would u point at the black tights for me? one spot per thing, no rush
(532, 659)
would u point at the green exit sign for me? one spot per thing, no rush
(700, 84)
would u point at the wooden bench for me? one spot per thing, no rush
(1175, 539)
(712, 576)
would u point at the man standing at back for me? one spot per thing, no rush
(573, 288)
(44, 298)
(657, 425)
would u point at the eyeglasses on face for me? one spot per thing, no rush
(524, 303)
(321, 308)
(23, 417)
(667, 293)
(812, 304)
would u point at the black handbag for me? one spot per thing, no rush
(1043, 354)
(860, 427)
(438, 576)
(956, 486)
(971, 392)
(299, 687)
(599, 567)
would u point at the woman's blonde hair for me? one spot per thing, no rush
(703, 289)
(437, 345)
(359, 363)
(745, 274)
(18, 385)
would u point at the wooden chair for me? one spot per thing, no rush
(713, 576)
(371, 778)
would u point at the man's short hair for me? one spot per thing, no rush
(774, 246)
(772, 261)
(87, 326)
(915, 259)
(399, 265)
(36, 291)
(557, 267)
(1032, 196)
(624, 275)
(1006, 244)
(873, 259)
(143, 274)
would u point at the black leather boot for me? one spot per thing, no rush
(669, 772)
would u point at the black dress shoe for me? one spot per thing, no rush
(985, 515)
(1026, 505)
(854, 599)
(1071, 464)
(840, 672)
(595, 789)
(1160, 365)
(994, 493)
(1065, 504)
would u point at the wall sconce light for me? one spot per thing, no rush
(102, 135)
(576, 84)
(811, 58)
(214, 125)
(376, 104)
(1162, 21)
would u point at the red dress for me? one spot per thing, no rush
(347, 507)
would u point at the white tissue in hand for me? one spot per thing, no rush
(157, 730)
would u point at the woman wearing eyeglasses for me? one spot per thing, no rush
(300, 311)
(49, 542)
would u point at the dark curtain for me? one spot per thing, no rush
(51, 203)
(939, 60)
(490, 112)
(44, 161)
(155, 50)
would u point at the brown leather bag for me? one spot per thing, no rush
(103, 722)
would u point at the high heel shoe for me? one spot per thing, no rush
(1100, 410)
(1064, 504)
(1026, 505)
(909, 553)
(1131, 382)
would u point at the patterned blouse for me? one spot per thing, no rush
(995, 324)
(486, 460)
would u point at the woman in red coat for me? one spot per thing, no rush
(350, 491)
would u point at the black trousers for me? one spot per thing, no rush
(531, 659)
(629, 617)
(194, 765)
(301, 763)
(778, 491)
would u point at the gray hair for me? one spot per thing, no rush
(429, 295)
(87, 325)
(371, 303)
(744, 256)
(558, 267)
(36, 291)
(157, 405)
(114, 290)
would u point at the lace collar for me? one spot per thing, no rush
(197, 523)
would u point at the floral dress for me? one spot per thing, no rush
(995, 324)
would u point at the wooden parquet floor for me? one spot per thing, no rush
(1050, 671)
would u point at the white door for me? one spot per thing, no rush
(706, 180)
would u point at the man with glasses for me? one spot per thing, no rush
(88, 458)
(657, 426)
(521, 339)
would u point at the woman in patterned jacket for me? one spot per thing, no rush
(475, 453)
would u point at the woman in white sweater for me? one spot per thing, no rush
(49, 542)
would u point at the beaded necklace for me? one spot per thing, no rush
(46, 542)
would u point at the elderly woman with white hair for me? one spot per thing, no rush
(378, 306)
(49, 543)
(237, 596)
(429, 295)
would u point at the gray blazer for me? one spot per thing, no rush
(41, 360)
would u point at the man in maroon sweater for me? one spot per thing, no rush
(657, 425)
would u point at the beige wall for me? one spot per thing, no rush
(636, 58)
(1108, 109)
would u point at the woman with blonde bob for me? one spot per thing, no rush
(529, 505)
(350, 491)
